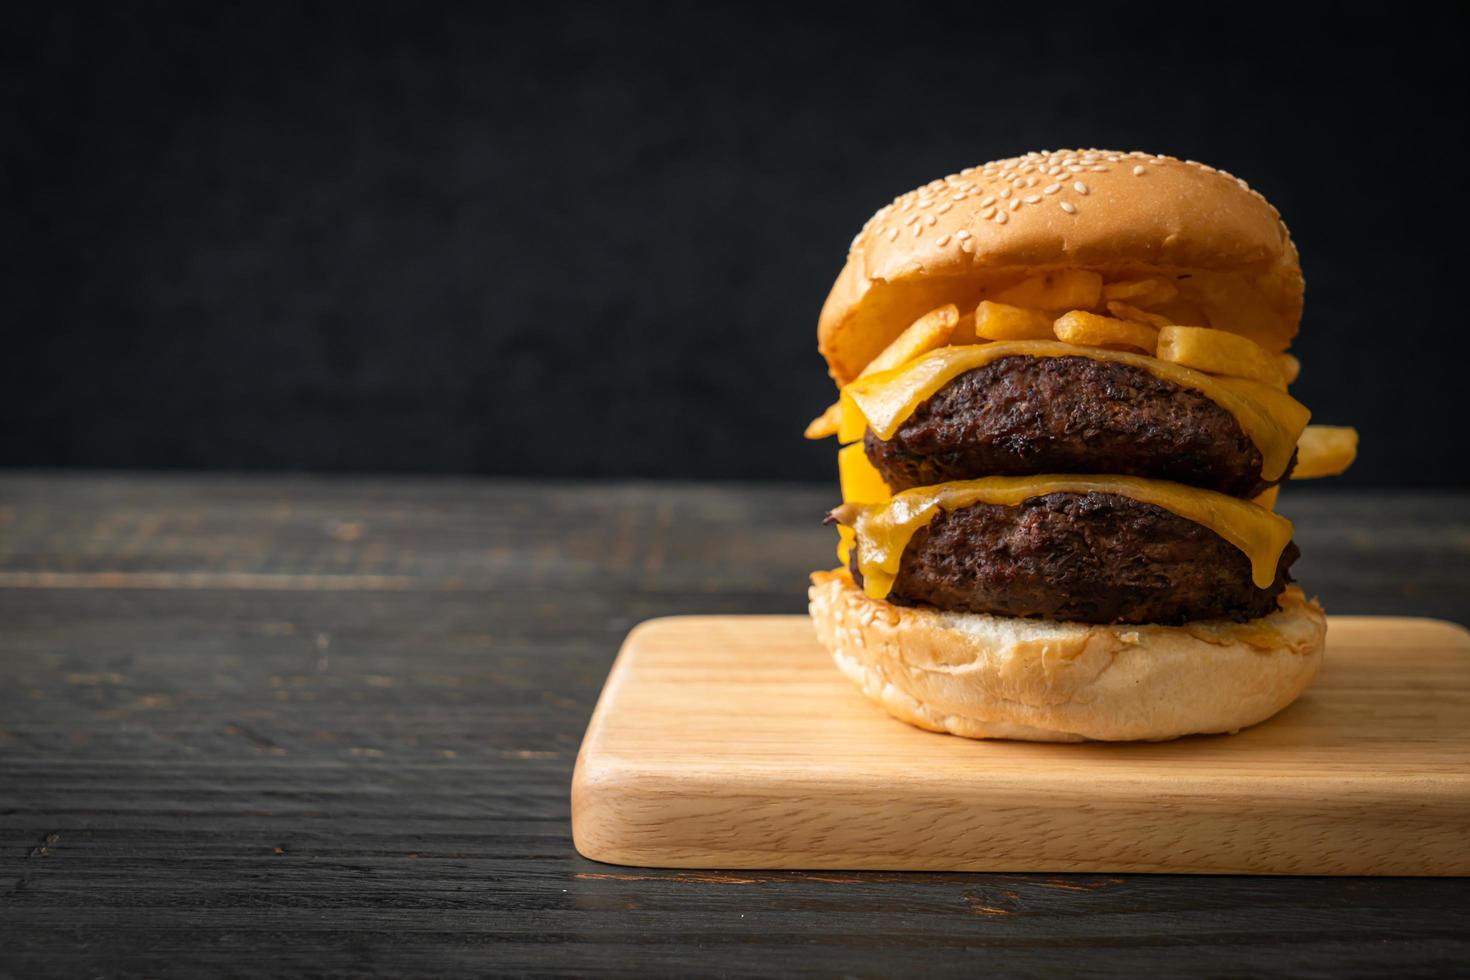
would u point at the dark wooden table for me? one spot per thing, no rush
(265, 727)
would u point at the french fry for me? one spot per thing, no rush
(1219, 352)
(1064, 289)
(928, 332)
(999, 321)
(1291, 368)
(1141, 292)
(825, 425)
(1325, 450)
(1091, 330)
(1123, 311)
(964, 330)
(1182, 312)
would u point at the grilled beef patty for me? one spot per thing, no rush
(1092, 558)
(1024, 415)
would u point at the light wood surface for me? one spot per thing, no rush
(733, 742)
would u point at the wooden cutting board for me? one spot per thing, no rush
(733, 742)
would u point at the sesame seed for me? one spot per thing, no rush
(1015, 204)
(1074, 168)
(962, 235)
(892, 234)
(1001, 217)
(929, 219)
(924, 202)
(1139, 170)
(1069, 207)
(987, 212)
(918, 230)
(1051, 188)
(987, 202)
(1033, 198)
(1032, 181)
(911, 219)
(1080, 187)
(1005, 192)
(944, 209)
(1099, 169)
(943, 240)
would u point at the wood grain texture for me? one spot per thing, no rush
(733, 742)
(267, 727)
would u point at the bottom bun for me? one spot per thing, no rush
(1044, 681)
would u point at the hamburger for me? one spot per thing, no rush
(1063, 418)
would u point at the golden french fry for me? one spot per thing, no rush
(825, 425)
(964, 330)
(998, 321)
(1091, 330)
(1219, 352)
(1141, 292)
(1182, 313)
(1291, 368)
(861, 482)
(1125, 312)
(928, 332)
(1325, 450)
(1064, 289)
(1267, 498)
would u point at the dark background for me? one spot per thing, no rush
(586, 240)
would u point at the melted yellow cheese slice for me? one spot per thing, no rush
(861, 484)
(882, 531)
(1271, 418)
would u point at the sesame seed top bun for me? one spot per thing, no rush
(1119, 213)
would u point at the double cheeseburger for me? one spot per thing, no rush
(1064, 415)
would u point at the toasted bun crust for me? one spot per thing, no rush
(1044, 681)
(1118, 213)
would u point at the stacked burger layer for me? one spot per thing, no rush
(1064, 412)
